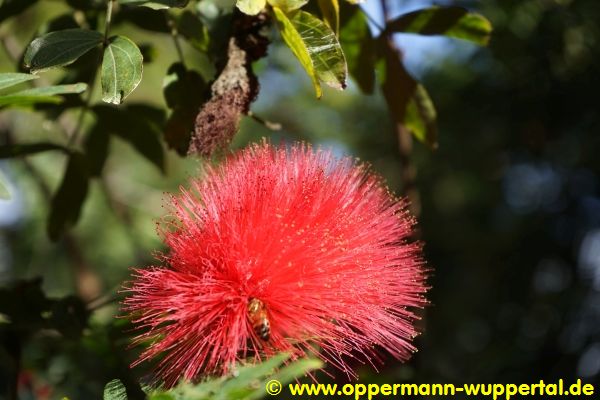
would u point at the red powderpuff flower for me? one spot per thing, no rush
(279, 250)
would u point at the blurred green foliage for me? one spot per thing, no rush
(510, 200)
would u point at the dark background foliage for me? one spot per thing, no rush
(509, 201)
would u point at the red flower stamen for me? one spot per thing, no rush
(280, 250)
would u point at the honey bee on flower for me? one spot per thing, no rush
(257, 313)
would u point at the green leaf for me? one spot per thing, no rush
(17, 150)
(456, 22)
(9, 79)
(46, 94)
(60, 48)
(247, 374)
(251, 7)
(295, 42)
(156, 4)
(4, 192)
(287, 6)
(242, 386)
(114, 390)
(331, 13)
(68, 200)
(121, 69)
(248, 383)
(296, 370)
(54, 90)
(316, 47)
(359, 47)
(407, 100)
(421, 117)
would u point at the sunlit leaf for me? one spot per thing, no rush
(295, 42)
(359, 47)
(121, 69)
(456, 22)
(287, 6)
(156, 4)
(60, 48)
(251, 7)
(323, 48)
(9, 79)
(18, 150)
(68, 200)
(114, 390)
(331, 13)
(316, 47)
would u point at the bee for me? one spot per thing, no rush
(257, 314)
